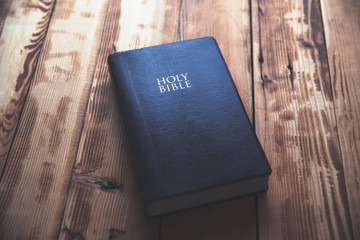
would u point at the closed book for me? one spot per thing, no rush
(191, 140)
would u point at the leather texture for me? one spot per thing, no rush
(187, 139)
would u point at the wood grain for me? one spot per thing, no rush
(22, 37)
(342, 32)
(295, 121)
(104, 200)
(35, 182)
(229, 23)
(66, 171)
(232, 219)
(4, 8)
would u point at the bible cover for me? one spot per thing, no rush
(190, 137)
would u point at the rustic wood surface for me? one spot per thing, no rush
(66, 170)
(295, 121)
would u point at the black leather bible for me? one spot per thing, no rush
(190, 137)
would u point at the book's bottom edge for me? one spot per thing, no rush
(206, 197)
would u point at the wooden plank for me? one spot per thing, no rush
(233, 219)
(22, 37)
(4, 8)
(342, 33)
(229, 23)
(104, 200)
(295, 121)
(35, 183)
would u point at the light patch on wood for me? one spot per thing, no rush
(147, 15)
(295, 19)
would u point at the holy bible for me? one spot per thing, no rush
(191, 140)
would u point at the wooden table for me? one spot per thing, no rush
(66, 170)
